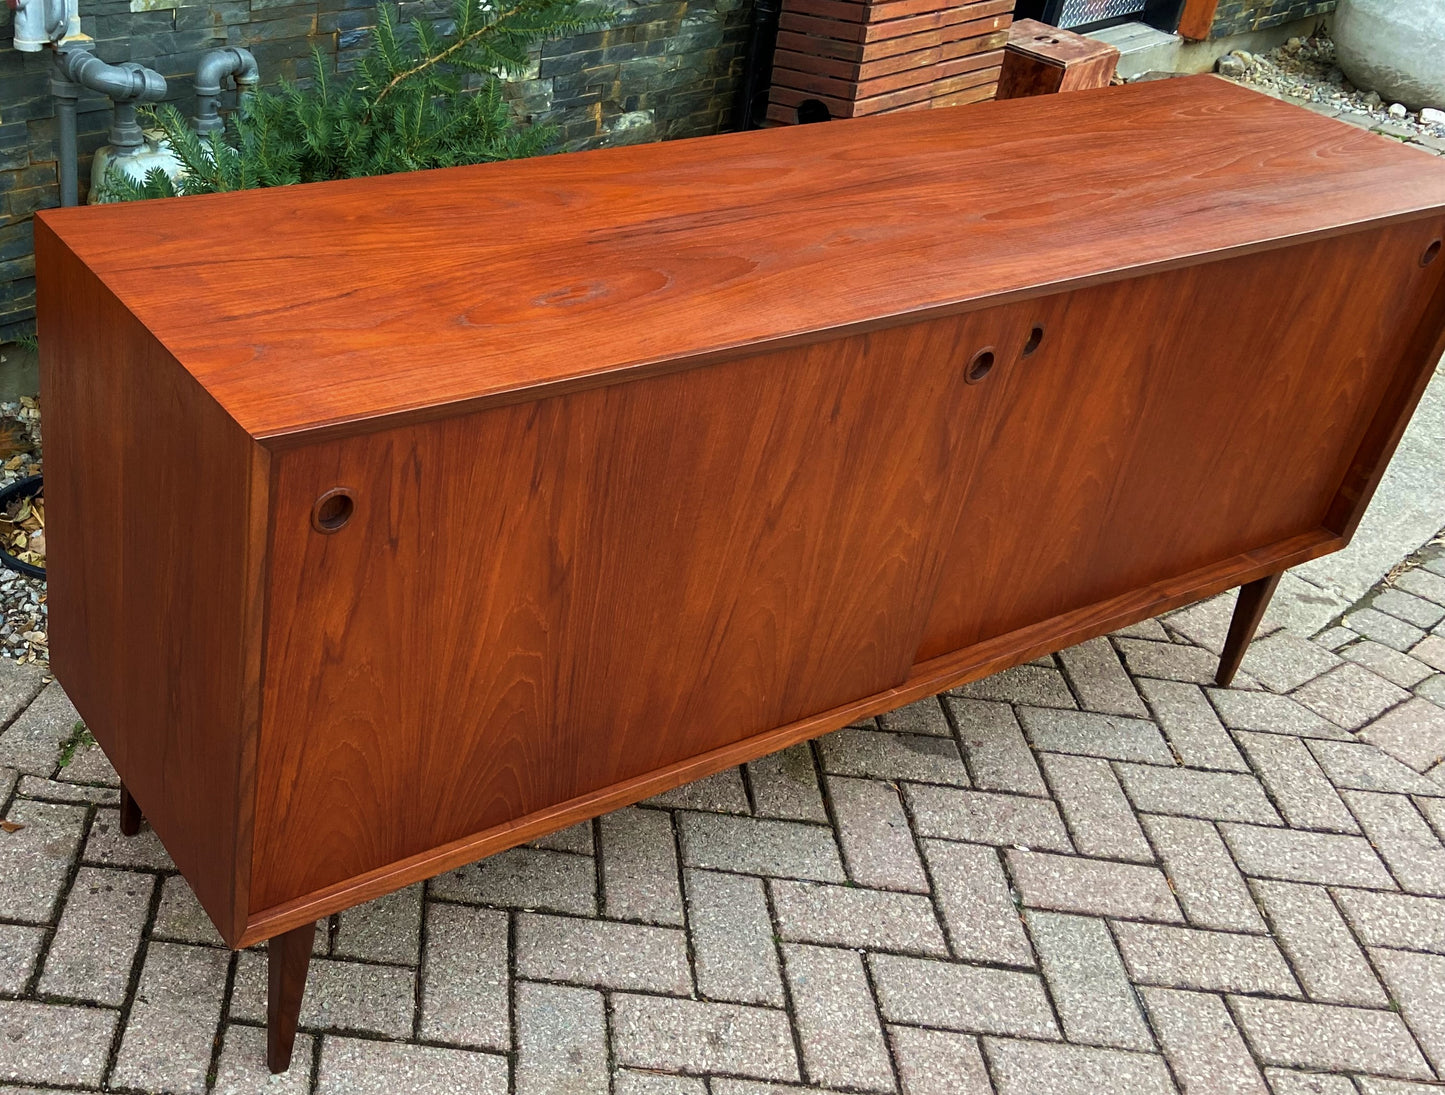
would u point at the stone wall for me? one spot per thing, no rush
(664, 69)
(1242, 16)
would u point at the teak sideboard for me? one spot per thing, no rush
(396, 521)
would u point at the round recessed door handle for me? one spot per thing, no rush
(333, 510)
(1035, 339)
(980, 365)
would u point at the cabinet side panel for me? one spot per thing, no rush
(155, 513)
(1422, 352)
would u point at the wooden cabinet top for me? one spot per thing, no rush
(319, 307)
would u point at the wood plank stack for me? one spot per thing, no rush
(849, 58)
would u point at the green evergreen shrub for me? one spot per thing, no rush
(419, 98)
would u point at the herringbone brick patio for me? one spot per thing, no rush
(1095, 873)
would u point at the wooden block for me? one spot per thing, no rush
(802, 61)
(963, 22)
(850, 90)
(956, 98)
(852, 11)
(989, 44)
(1042, 60)
(981, 35)
(841, 105)
(923, 74)
(979, 94)
(783, 103)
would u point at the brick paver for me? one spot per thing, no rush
(1090, 986)
(1322, 952)
(836, 1020)
(853, 916)
(785, 785)
(465, 997)
(1094, 873)
(1192, 726)
(1202, 1043)
(1203, 876)
(954, 996)
(1094, 805)
(977, 907)
(1024, 1068)
(561, 1039)
(733, 939)
(639, 867)
(873, 831)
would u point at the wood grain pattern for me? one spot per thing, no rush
(817, 63)
(685, 561)
(1154, 453)
(770, 236)
(1423, 346)
(1167, 443)
(978, 94)
(856, 90)
(1197, 19)
(790, 98)
(925, 679)
(966, 38)
(950, 23)
(882, 11)
(155, 507)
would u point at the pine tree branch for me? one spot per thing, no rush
(429, 62)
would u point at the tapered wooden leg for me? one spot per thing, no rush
(288, 957)
(1248, 611)
(130, 815)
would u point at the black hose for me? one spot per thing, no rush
(752, 104)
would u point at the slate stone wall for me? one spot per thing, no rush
(1242, 16)
(663, 70)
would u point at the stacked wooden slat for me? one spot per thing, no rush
(856, 57)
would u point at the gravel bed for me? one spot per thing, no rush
(1304, 69)
(22, 599)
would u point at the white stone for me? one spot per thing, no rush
(1396, 47)
(1231, 66)
(1431, 116)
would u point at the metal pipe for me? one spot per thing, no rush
(213, 67)
(66, 92)
(123, 83)
(125, 131)
(126, 84)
